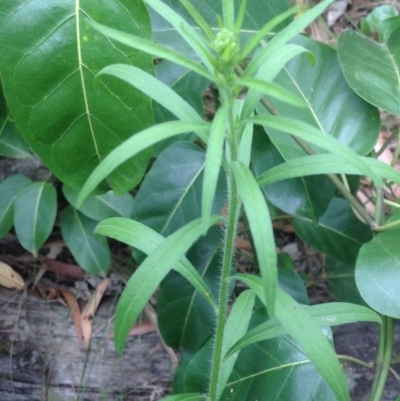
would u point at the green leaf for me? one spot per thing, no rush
(101, 207)
(152, 48)
(236, 326)
(147, 240)
(134, 145)
(214, 156)
(186, 397)
(34, 215)
(285, 35)
(148, 276)
(341, 282)
(306, 196)
(261, 229)
(12, 144)
(372, 69)
(324, 164)
(315, 136)
(170, 195)
(338, 233)
(185, 318)
(68, 122)
(324, 88)
(91, 253)
(331, 314)
(315, 345)
(273, 91)
(379, 21)
(378, 271)
(9, 189)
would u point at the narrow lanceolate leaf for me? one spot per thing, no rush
(186, 31)
(149, 275)
(35, 213)
(272, 90)
(285, 35)
(154, 88)
(9, 189)
(91, 253)
(325, 164)
(134, 145)
(318, 138)
(331, 314)
(300, 325)
(186, 397)
(147, 240)
(372, 69)
(152, 48)
(213, 163)
(68, 122)
(261, 229)
(236, 326)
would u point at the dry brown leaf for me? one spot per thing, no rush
(75, 313)
(10, 278)
(63, 269)
(90, 310)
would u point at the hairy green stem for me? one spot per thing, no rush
(383, 359)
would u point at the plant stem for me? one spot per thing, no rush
(383, 359)
(230, 233)
(356, 361)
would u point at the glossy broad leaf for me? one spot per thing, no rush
(9, 189)
(68, 122)
(12, 144)
(90, 252)
(34, 215)
(333, 107)
(378, 271)
(339, 233)
(175, 178)
(185, 318)
(304, 196)
(101, 207)
(372, 69)
(148, 276)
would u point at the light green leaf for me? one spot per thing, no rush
(372, 69)
(261, 228)
(324, 164)
(318, 138)
(236, 326)
(68, 122)
(285, 35)
(91, 253)
(331, 314)
(9, 189)
(148, 276)
(213, 163)
(134, 145)
(147, 240)
(101, 207)
(152, 48)
(186, 397)
(34, 215)
(272, 90)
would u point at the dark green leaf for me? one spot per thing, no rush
(378, 271)
(305, 196)
(9, 189)
(372, 69)
(34, 215)
(91, 253)
(12, 144)
(338, 233)
(69, 123)
(101, 207)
